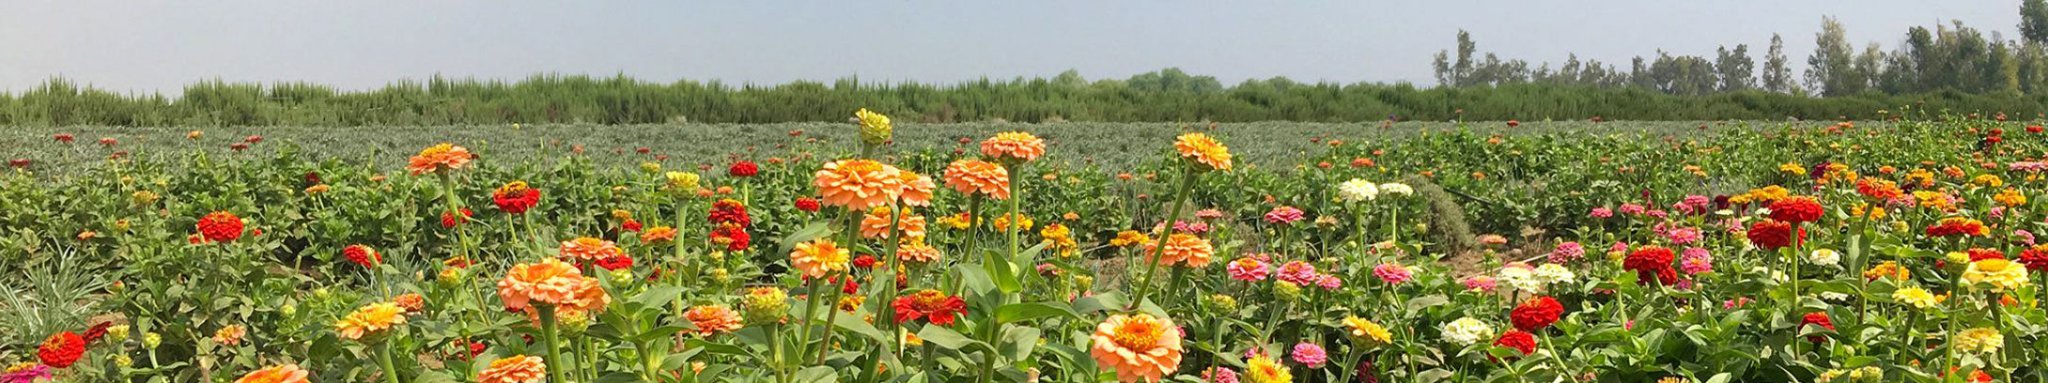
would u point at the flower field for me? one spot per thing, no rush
(859, 252)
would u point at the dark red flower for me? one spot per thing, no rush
(66, 138)
(448, 220)
(62, 349)
(253, 139)
(615, 263)
(1796, 209)
(239, 146)
(109, 142)
(362, 255)
(2036, 258)
(743, 169)
(1513, 123)
(807, 204)
(734, 237)
(729, 211)
(2033, 128)
(851, 286)
(20, 163)
(515, 197)
(864, 261)
(1519, 340)
(631, 225)
(1536, 314)
(472, 349)
(642, 150)
(932, 305)
(1817, 318)
(1772, 234)
(94, 333)
(220, 226)
(312, 178)
(1979, 254)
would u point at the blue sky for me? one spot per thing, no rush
(159, 45)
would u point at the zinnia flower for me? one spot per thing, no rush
(1797, 209)
(1203, 150)
(1246, 269)
(1263, 369)
(658, 234)
(713, 319)
(917, 189)
(552, 282)
(1652, 264)
(1357, 190)
(973, 177)
(285, 373)
(743, 169)
(874, 127)
(933, 306)
(220, 226)
(817, 258)
(1298, 272)
(1819, 319)
(1536, 314)
(362, 255)
(1392, 273)
(27, 372)
(1982, 340)
(1824, 257)
(1367, 333)
(1519, 340)
(514, 369)
(1283, 215)
(590, 249)
(1137, 346)
(878, 221)
(60, 350)
(917, 251)
(1309, 354)
(515, 197)
(1567, 252)
(438, 157)
(1772, 234)
(1013, 147)
(230, 335)
(858, 184)
(2000, 274)
(1466, 331)
(370, 321)
(1188, 248)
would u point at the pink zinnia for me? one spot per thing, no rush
(1732, 304)
(1683, 235)
(1283, 215)
(1601, 212)
(1298, 272)
(1209, 214)
(1220, 375)
(1196, 227)
(1480, 283)
(1247, 269)
(1619, 247)
(1698, 201)
(2024, 237)
(1658, 213)
(1567, 252)
(1329, 282)
(1696, 260)
(1309, 354)
(1631, 209)
(1392, 274)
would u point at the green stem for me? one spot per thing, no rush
(384, 361)
(1187, 185)
(548, 331)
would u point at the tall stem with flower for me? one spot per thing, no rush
(1187, 186)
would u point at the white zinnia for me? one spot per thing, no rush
(1396, 188)
(1357, 190)
(1466, 331)
(1521, 277)
(1825, 257)
(1552, 273)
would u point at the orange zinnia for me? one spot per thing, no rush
(370, 320)
(437, 157)
(289, 373)
(514, 369)
(1013, 146)
(916, 250)
(1137, 347)
(1183, 247)
(917, 189)
(549, 281)
(858, 184)
(977, 176)
(713, 319)
(816, 258)
(590, 249)
(1204, 150)
(876, 223)
(658, 234)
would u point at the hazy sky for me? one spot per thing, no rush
(159, 45)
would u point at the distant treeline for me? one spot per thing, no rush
(1164, 96)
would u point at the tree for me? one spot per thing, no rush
(1831, 70)
(2034, 21)
(1736, 69)
(1777, 76)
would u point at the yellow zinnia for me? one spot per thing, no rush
(1263, 369)
(1204, 150)
(1367, 333)
(370, 320)
(1983, 340)
(1914, 296)
(2000, 274)
(817, 258)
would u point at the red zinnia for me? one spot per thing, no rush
(1772, 234)
(20, 162)
(2036, 258)
(864, 261)
(448, 220)
(936, 307)
(1652, 264)
(362, 255)
(734, 238)
(94, 333)
(1518, 340)
(1817, 318)
(631, 225)
(61, 349)
(1536, 314)
(65, 137)
(1979, 254)
(743, 169)
(807, 204)
(220, 226)
(729, 211)
(615, 263)
(1796, 209)
(515, 197)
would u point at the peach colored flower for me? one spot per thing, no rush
(370, 320)
(1013, 146)
(876, 223)
(917, 189)
(1137, 347)
(590, 249)
(287, 373)
(915, 250)
(514, 369)
(1203, 149)
(713, 319)
(858, 184)
(1184, 247)
(413, 303)
(819, 257)
(550, 281)
(977, 176)
(230, 335)
(437, 157)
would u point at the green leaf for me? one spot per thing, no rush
(947, 339)
(857, 326)
(817, 374)
(809, 232)
(1001, 271)
(1101, 302)
(1017, 312)
(658, 296)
